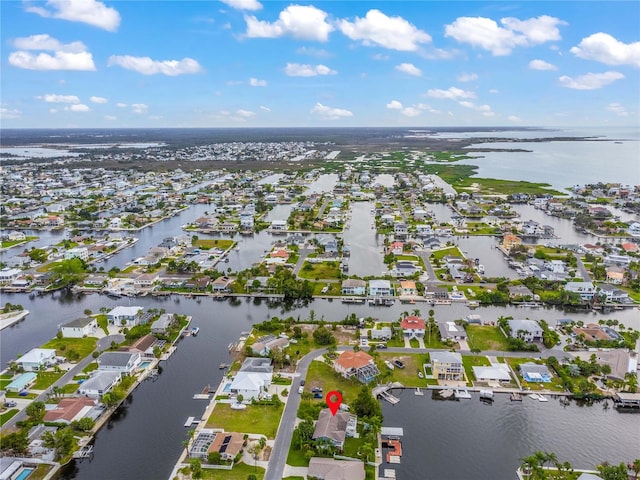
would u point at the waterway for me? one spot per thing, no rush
(366, 245)
(468, 439)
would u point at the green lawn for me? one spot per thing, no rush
(70, 388)
(82, 346)
(4, 383)
(453, 251)
(103, 323)
(91, 367)
(322, 375)
(486, 337)
(130, 269)
(239, 472)
(45, 380)
(296, 458)
(206, 243)
(469, 361)
(260, 419)
(352, 446)
(408, 375)
(6, 416)
(324, 270)
(48, 266)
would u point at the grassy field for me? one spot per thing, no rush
(324, 270)
(46, 379)
(556, 382)
(6, 416)
(239, 472)
(103, 323)
(453, 251)
(83, 346)
(504, 187)
(469, 361)
(408, 375)
(206, 243)
(260, 419)
(322, 375)
(486, 337)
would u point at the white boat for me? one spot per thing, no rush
(486, 394)
(195, 331)
(420, 375)
(535, 396)
(462, 394)
(542, 398)
(389, 365)
(238, 406)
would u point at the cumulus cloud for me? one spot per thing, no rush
(95, 99)
(329, 113)
(467, 77)
(245, 113)
(514, 119)
(80, 107)
(484, 109)
(54, 98)
(243, 4)
(541, 65)
(409, 69)
(254, 82)
(394, 105)
(90, 12)
(139, 108)
(66, 56)
(147, 66)
(604, 48)
(590, 81)
(266, 109)
(376, 28)
(305, 70)
(485, 33)
(303, 22)
(9, 113)
(121, 105)
(412, 111)
(452, 93)
(618, 109)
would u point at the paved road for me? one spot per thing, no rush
(103, 343)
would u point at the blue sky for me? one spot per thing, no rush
(86, 63)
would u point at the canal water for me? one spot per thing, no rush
(366, 245)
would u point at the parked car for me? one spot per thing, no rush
(302, 382)
(10, 403)
(382, 346)
(300, 390)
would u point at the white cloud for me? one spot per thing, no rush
(484, 109)
(514, 119)
(121, 105)
(80, 107)
(602, 47)
(412, 111)
(494, 90)
(139, 108)
(329, 113)
(147, 66)
(233, 83)
(85, 11)
(618, 109)
(95, 99)
(245, 113)
(409, 69)
(452, 93)
(47, 42)
(303, 22)
(53, 110)
(305, 70)
(313, 52)
(81, 61)
(487, 34)
(541, 65)
(590, 81)
(376, 28)
(110, 117)
(394, 105)
(380, 56)
(266, 109)
(54, 98)
(467, 77)
(243, 4)
(254, 82)
(8, 113)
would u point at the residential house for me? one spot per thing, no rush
(532, 372)
(586, 290)
(222, 284)
(8, 275)
(278, 225)
(77, 252)
(408, 288)
(99, 383)
(593, 332)
(253, 379)
(383, 333)
(379, 288)
(354, 287)
(332, 429)
(123, 362)
(163, 323)
(447, 366)
(497, 372)
(413, 327)
(264, 345)
(400, 229)
(323, 468)
(452, 331)
(527, 330)
(79, 328)
(434, 292)
(510, 241)
(634, 229)
(396, 248)
(143, 346)
(21, 382)
(615, 275)
(69, 409)
(37, 359)
(127, 316)
(227, 444)
(614, 295)
(519, 292)
(359, 364)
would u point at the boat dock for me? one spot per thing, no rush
(190, 421)
(383, 392)
(627, 400)
(84, 452)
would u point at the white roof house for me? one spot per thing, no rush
(253, 379)
(37, 359)
(127, 314)
(494, 373)
(100, 383)
(528, 330)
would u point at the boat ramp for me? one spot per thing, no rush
(382, 391)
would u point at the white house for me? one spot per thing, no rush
(383, 333)
(253, 379)
(77, 252)
(634, 229)
(123, 362)
(80, 327)
(379, 288)
(413, 327)
(101, 382)
(527, 330)
(130, 315)
(586, 290)
(37, 359)
(278, 225)
(8, 275)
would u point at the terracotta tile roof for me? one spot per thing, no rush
(412, 323)
(355, 360)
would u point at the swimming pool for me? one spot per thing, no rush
(227, 388)
(24, 473)
(145, 364)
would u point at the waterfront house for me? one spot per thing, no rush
(163, 323)
(8, 275)
(79, 328)
(37, 359)
(144, 346)
(447, 366)
(22, 382)
(383, 333)
(253, 379)
(279, 225)
(99, 383)
(532, 372)
(354, 287)
(593, 332)
(614, 294)
(123, 362)
(615, 275)
(330, 469)
(586, 290)
(452, 331)
(434, 292)
(527, 330)
(332, 429)
(510, 241)
(70, 409)
(127, 316)
(519, 292)
(222, 284)
(145, 280)
(227, 444)
(396, 248)
(413, 327)
(498, 372)
(408, 288)
(379, 288)
(634, 229)
(356, 364)
(264, 345)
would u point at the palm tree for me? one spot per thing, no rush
(635, 466)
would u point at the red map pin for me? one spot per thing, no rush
(334, 399)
